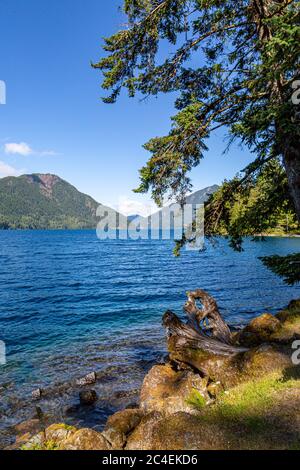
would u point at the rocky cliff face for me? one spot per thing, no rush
(45, 182)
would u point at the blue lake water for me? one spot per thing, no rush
(71, 304)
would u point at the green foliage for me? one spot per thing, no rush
(257, 205)
(231, 63)
(287, 267)
(196, 399)
(27, 202)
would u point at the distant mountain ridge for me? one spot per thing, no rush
(44, 201)
(201, 196)
(196, 198)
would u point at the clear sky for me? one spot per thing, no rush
(54, 120)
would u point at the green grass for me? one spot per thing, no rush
(196, 399)
(248, 403)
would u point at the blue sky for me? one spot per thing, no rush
(54, 120)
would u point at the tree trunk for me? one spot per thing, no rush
(289, 143)
(291, 160)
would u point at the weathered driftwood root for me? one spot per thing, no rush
(196, 344)
(189, 337)
(210, 313)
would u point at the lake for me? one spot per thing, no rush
(71, 304)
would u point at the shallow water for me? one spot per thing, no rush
(70, 304)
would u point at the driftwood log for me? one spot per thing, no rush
(207, 318)
(205, 338)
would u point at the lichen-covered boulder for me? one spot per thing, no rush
(281, 329)
(259, 330)
(25, 430)
(120, 425)
(260, 361)
(180, 431)
(232, 370)
(292, 312)
(85, 439)
(36, 442)
(168, 391)
(290, 323)
(142, 438)
(58, 433)
(30, 425)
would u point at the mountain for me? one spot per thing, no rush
(199, 197)
(44, 201)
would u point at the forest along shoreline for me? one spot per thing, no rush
(236, 390)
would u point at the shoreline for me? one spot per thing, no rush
(27, 229)
(196, 402)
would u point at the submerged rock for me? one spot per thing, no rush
(88, 397)
(89, 379)
(37, 394)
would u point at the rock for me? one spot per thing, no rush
(231, 371)
(71, 410)
(31, 426)
(215, 388)
(290, 320)
(281, 329)
(261, 361)
(120, 425)
(36, 442)
(37, 394)
(180, 431)
(86, 439)
(230, 429)
(142, 438)
(88, 397)
(260, 330)
(25, 431)
(168, 391)
(89, 379)
(58, 433)
(292, 312)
